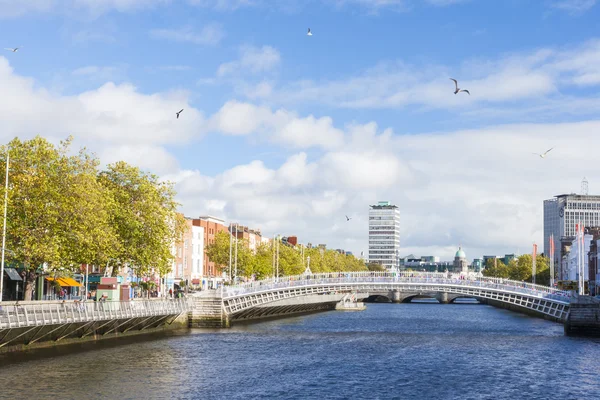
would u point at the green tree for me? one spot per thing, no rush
(56, 212)
(496, 268)
(290, 261)
(218, 250)
(542, 266)
(262, 262)
(144, 216)
(375, 267)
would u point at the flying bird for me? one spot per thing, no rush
(543, 155)
(348, 218)
(309, 32)
(180, 111)
(458, 89)
(14, 50)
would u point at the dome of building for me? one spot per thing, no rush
(460, 253)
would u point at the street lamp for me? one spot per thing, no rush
(4, 228)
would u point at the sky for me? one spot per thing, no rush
(288, 133)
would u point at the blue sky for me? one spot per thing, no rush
(288, 133)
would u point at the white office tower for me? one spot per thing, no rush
(384, 235)
(561, 216)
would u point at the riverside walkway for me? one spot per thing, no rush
(30, 322)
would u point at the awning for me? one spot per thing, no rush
(69, 282)
(65, 282)
(13, 274)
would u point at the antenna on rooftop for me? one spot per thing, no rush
(584, 187)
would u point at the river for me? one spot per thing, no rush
(389, 351)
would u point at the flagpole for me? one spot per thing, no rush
(230, 247)
(4, 228)
(533, 259)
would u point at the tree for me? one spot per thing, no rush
(218, 250)
(56, 212)
(144, 216)
(495, 268)
(375, 267)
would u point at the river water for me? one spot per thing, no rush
(389, 351)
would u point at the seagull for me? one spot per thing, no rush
(457, 89)
(14, 50)
(309, 32)
(543, 155)
(348, 218)
(180, 111)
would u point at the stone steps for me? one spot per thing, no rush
(207, 312)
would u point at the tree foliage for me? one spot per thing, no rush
(520, 269)
(144, 216)
(263, 263)
(62, 212)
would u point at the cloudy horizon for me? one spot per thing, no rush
(288, 133)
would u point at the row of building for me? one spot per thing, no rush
(191, 263)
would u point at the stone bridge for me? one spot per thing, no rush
(305, 293)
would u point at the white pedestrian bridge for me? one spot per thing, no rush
(253, 299)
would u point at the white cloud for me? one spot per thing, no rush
(209, 35)
(224, 5)
(281, 126)
(11, 8)
(574, 6)
(540, 78)
(15, 8)
(107, 116)
(147, 157)
(480, 188)
(252, 60)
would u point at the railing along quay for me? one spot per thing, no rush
(42, 313)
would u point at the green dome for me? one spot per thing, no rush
(460, 253)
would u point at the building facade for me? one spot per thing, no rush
(252, 236)
(384, 235)
(197, 256)
(211, 226)
(561, 216)
(460, 264)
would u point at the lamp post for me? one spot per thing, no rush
(230, 247)
(4, 228)
(273, 250)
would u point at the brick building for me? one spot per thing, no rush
(211, 226)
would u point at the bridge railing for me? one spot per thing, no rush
(42, 313)
(391, 277)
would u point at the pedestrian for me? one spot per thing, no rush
(171, 292)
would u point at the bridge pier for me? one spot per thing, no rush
(442, 298)
(584, 317)
(396, 296)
